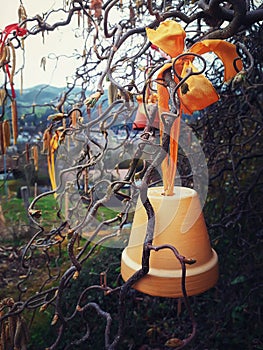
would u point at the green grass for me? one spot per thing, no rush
(12, 185)
(15, 212)
(105, 213)
(49, 207)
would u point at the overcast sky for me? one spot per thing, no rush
(60, 41)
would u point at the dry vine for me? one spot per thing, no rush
(82, 138)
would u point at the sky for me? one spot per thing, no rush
(60, 41)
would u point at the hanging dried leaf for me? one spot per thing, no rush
(76, 275)
(56, 117)
(34, 152)
(11, 72)
(14, 120)
(79, 17)
(84, 54)
(36, 213)
(93, 99)
(22, 15)
(43, 307)
(43, 63)
(174, 343)
(103, 279)
(53, 146)
(96, 6)
(2, 96)
(74, 118)
(6, 133)
(54, 320)
(27, 152)
(139, 3)
(4, 56)
(51, 168)
(46, 140)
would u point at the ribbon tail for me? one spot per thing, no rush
(169, 164)
(51, 169)
(174, 140)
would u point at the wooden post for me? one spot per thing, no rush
(35, 190)
(25, 196)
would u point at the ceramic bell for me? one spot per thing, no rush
(180, 223)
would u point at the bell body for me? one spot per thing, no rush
(178, 222)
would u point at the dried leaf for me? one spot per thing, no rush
(56, 117)
(96, 6)
(76, 275)
(2, 96)
(6, 133)
(4, 56)
(46, 139)
(22, 15)
(92, 100)
(43, 63)
(34, 151)
(174, 343)
(43, 307)
(35, 213)
(54, 320)
(14, 120)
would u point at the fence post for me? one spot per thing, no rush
(25, 196)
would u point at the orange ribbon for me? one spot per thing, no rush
(199, 92)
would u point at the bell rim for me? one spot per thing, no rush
(172, 273)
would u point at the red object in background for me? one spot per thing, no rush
(141, 120)
(19, 31)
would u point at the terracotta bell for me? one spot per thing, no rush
(180, 223)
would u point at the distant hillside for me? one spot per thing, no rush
(43, 97)
(40, 94)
